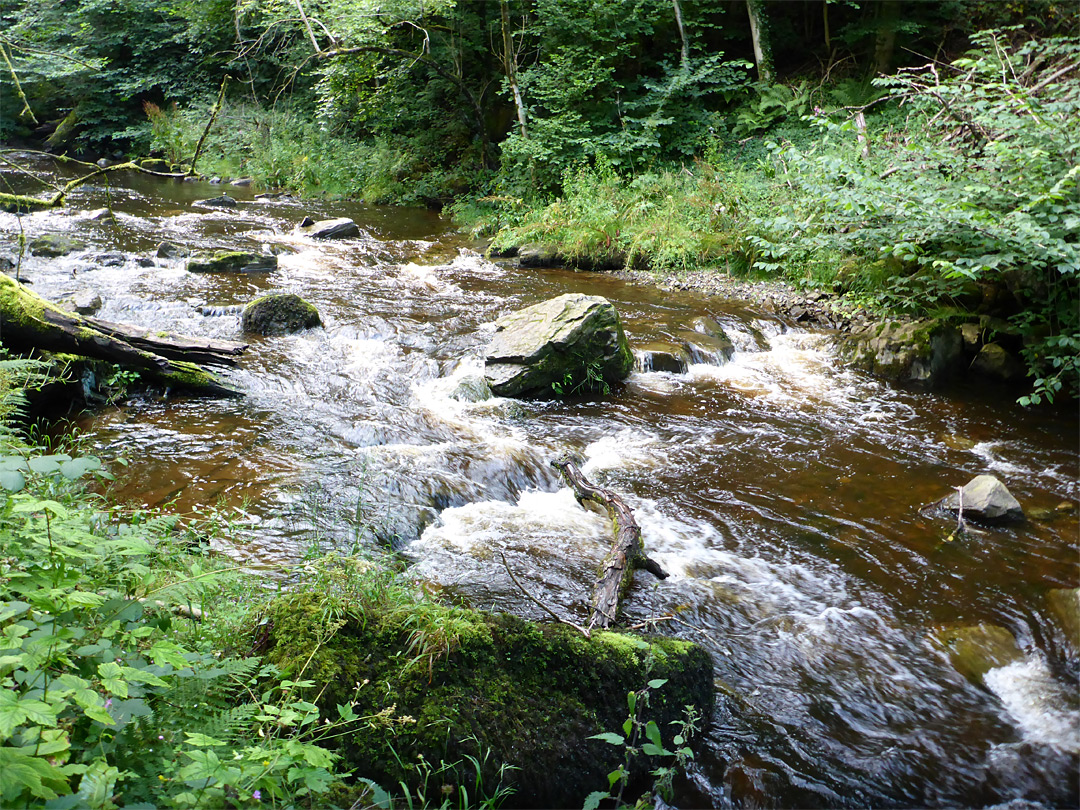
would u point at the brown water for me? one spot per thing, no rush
(785, 494)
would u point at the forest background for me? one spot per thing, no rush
(918, 157)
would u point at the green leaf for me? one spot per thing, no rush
(45, 465)
(379, 797)
(76, 468)
(592, 801)
(631, 701)
(100, 714)
(652, 731)
(656, 683)
(12, 480)
(609, 737)
(201, 740)
(655, 750)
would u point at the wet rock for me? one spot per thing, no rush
(538, 256)
(101, 215)
(986, 500)
(472, 388)
(215, 181)
(110, 259)
(574, 341)
(278, 249)
(53, 245)
(170, 250)
(971, 334)
(529, 694)
(155, 164)
(279, 314)
(955, 441)
(277, 195)
(84, 302)
(974, 651)
(232, 261)
(927, 352)
(995, 362)
(241, 181)
(502, 253)
(144, 261)
(224, 201)
(663, 357)
(708, 349)
(104, 163)
(1066, 506)
(341, 228)
(1065, 607)
(6, 263)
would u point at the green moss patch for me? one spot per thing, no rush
(443, 684)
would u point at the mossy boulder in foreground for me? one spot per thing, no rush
(279, 314)
(452, 683)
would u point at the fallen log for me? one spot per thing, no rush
(29, 323)
(627, 554)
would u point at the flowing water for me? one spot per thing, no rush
(786, 495)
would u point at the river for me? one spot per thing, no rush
(786, 494)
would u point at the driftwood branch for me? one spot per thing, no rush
(627, 554)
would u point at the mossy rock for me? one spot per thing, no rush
(155, 164)
(52, 245)
(279, 314)
(927, 352)
(977, 649)
(232, 261)
(452, 683)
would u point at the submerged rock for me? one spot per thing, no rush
(446, 683)
(975, 650)
(101, 215)
(110, 259)
(279, 314)
(341, 228)
(53, 245)
(84, 302)
(232, 261)
(986, 500)
(574, 342)
(709, 349)
(224, 201)
(922, 351)
(1065, 607)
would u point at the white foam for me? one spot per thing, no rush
(1045, 709)
(627, 449)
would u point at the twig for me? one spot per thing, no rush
(583, 630)
(210, 123)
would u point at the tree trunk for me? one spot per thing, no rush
(29, 323)
(510, 65)
(759, 32)
(627, 554)
(885, 45)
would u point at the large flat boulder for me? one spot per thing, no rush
(986, 500)
(573, 343)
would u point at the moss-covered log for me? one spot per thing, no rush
(29, 323)
(439, 684)
(627, 554)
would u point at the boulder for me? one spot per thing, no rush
(279, 314)
(571, 342)
(170, 250)
(538, 256)
(155, 164)
(52, 245)
(101, 215)
(971, 334)
(224, 201)
(232, 261)
(6, 263)
(986, 500)
(447, 684)
(342, 228)
(975, 650)
(1065, 608)
(709, 349)
(471, 388)
(663, 357)
(241, 181)
(927, 352)
(997, 363)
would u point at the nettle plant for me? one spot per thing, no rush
(977, 185)
(109, 691)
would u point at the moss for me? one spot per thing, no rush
(462, 683)
(24, 204)
(279, 313)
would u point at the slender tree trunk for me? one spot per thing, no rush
(685, 53)
(759, 32)
(888, 19)
(510, 64)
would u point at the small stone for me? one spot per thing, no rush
(279, 314)
(101, 215)
(971, 334)
(472, 388)
(663, 357)
(955, 441)
(104, 163)
(110, 259)
(224, 201)
(306, 222)
(144, 261)
(1066, 506)
(341, 228)
(6, 263)
(214, 181)
(985, 499)
(1041, 514)
(242, 181)
(86, 302)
